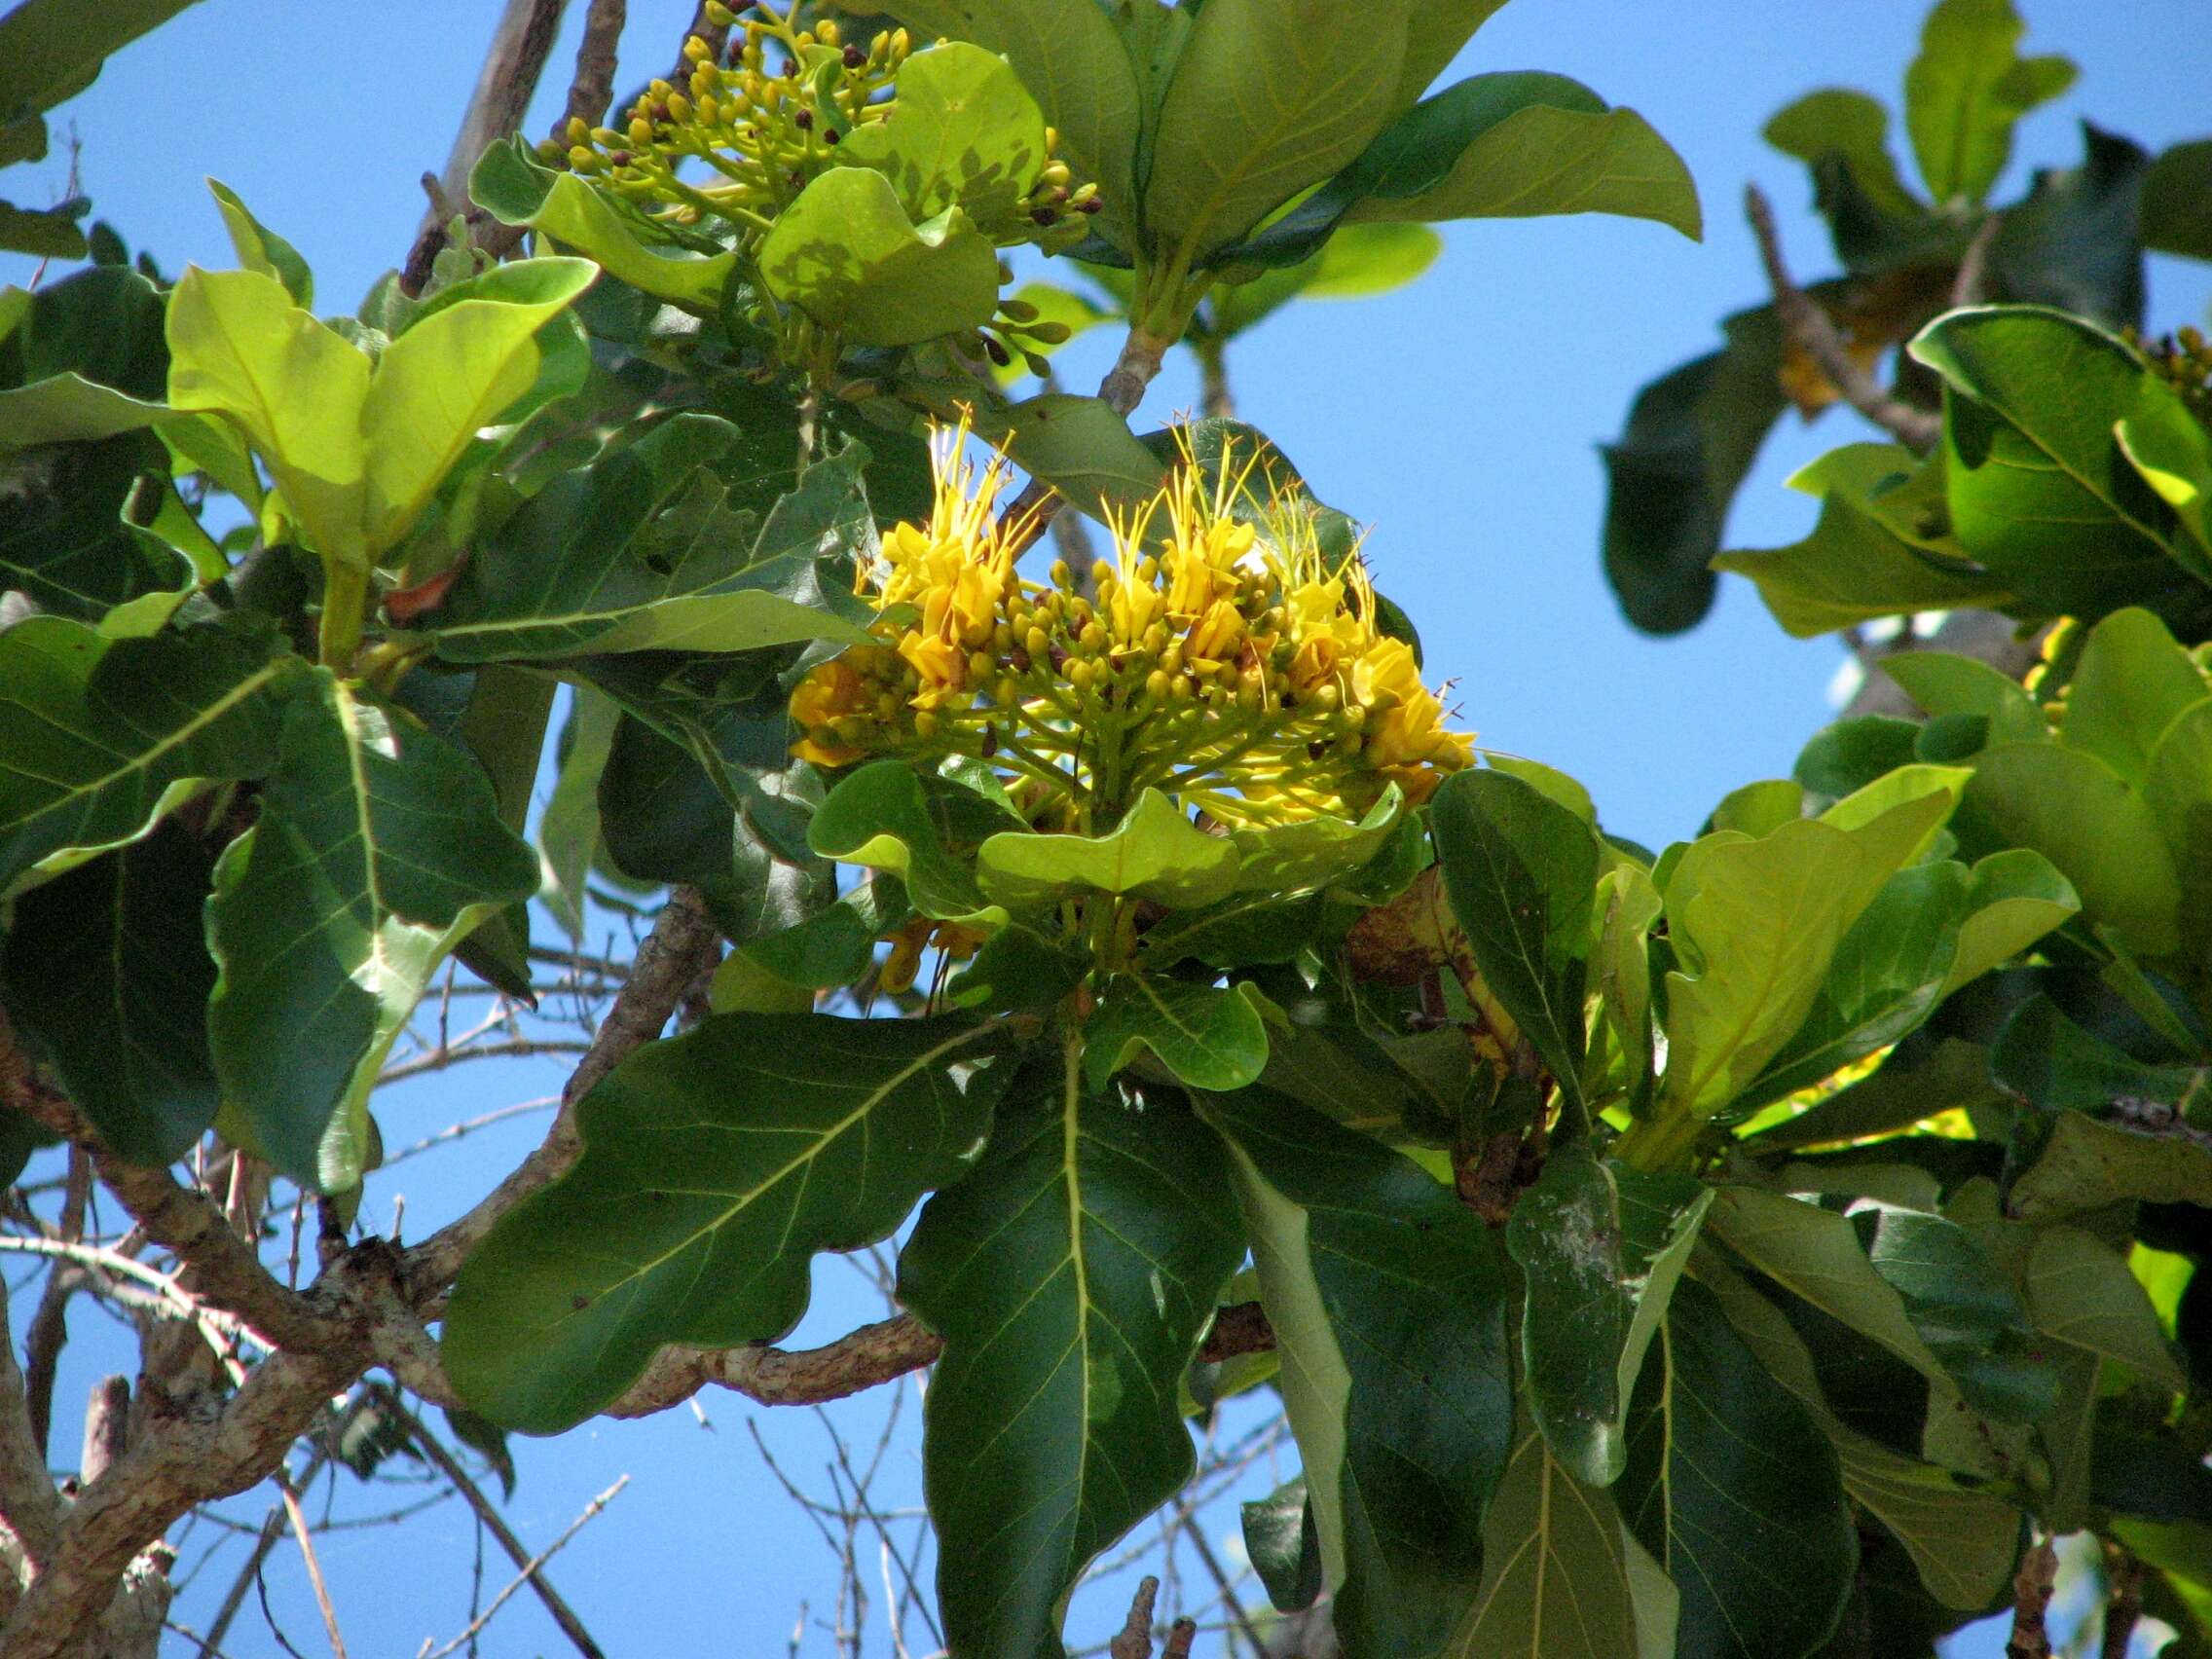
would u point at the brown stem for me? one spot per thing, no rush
(1214, 395)
(2031, 1600)
(593, 86)
(1181, 1635)
(520, 45)
(1136, 1640)
(2123, 1601)
(107, 1427)
(1808, 328)
(49, 1329)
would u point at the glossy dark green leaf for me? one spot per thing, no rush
(95, 734)
(655, 548)
(1601, 1248)
(378, 848)
(1964, 1308)
(834, 946)
(1017, 969)
(1241, 931)
(1522, 873)
(2048, 1058)
(1071, 1275)
(714, 1165)
(51, 50)
(1843, 758)
(1736, 1491)
(1284, 1546)
(2177, 202)
(1388, 1299)
(106, 969)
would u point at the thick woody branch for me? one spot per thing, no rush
(1808, 328)
(681, 943)
(592, 84)
(29, 1502)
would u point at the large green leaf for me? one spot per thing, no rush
(2015, 899)
(1522, 873)
(2088, 1165)
(2131, 684)
(961, 132)
(1154, 853)
(1964, 1308)
(849, 255)
(1967, 90)
(1071, 1277)
(66, 543)
(1068, 56)
(2079, 814)
(2177, 202)
(714, 1165)
(98, 738)
(51, 50)
(240, 348)
(1963, 1541)
(453, 372)
(378, 849)
(1756, 925)
(516, 189)
(568, 829)
(2172, 450)
(1270, 96)
(106, 969)
(1599, 1248)
(1283, 859)
(2177, 788)
(657, 547)
(1388, 1300)
(1737, 1491)
(2039, 489)
(260, 249)
(1852, 127)
(2080, 1291)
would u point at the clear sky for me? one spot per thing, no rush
(1460, 417)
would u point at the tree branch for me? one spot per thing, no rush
(1136, 1640)
(592, 87)
(49, 1329)
(29, 1502)
(533, 1568)
(520, 45)
(1808, 328)
(2031, 1600)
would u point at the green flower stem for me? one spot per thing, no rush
(345, 608)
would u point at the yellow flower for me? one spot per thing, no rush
(830, 690)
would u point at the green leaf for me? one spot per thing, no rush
(2082, 1292)
(49, 233)
(51, 50)
(2088, 1165)
(1071, 1277)
(2173, 451)
(1946, 686)
(452, 373)
(2177, 202)
(1242, 930)
(1562, 152)
(1270, 96)
(1853, 128)
(1736, 1491)
(834, 946)
(1559, 1578)
(1154, 853)
(1599, 1248)
(1963, 1541)
(1756, 925)
(2038, 488)
(961, 131)
(1284, 858)
(1284, 1546)
(2081, 814)
(568, 829)
(69, 408)
(239, 348)
(2178, 789)
(98, 738)
(260, 249)
(378, 848)
(665, 545)
(1388, 1300)
(106, 970)
(67, 546)
(1966, 91)
(1084, 450)
(1071, 58)
(847, 254)
(2132, 683)
(1964, 1308)
(514, 187)
(1522, 873)
(889, 817)
(1017, 969)
(1628, 904)
(1209, 1037)
(714, 1165)
(2046, 1057)
(1356, 262)
(2016, 897)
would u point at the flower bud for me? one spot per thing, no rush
(695, 51)
(720, 15)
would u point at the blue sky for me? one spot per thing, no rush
(1460, 417)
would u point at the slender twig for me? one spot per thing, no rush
(271, 1528)
(305, 1536)
(1808, 328)
(468, 1126)
(593, 84)
(1970, 287)
(531, 1568)
(1234, 1607)
(444, 1461)
(1136, 1640)
(513, 1048)
(49, 1329)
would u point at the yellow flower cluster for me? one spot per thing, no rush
(767, 124)
(1228, 662)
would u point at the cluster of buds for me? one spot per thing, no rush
(1230, 664)
(2181, 359)
(754, 132)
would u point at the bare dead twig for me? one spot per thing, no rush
(305, 1536)
(1136, 1640)
(1808, 328)
(531, 1570)
(49, 1329)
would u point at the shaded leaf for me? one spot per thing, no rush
(2088, 1165)
(1154, 853)
(2177, 202)
(848, 255)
